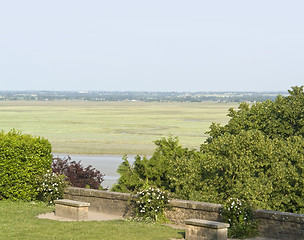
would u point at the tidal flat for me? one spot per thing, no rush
(120, 127)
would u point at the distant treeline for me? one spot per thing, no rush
(139, 96)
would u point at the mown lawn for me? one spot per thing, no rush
(112, 127)
(18, 221)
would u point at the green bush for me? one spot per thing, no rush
(22, 159)
(172, 168)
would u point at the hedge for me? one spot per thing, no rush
(22, 159)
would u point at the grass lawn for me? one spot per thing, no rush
(18, 221)
(112, 127)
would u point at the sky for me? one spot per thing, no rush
(159, 45)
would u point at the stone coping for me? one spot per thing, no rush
(97, 193)
(207, 224)
(210, 207)
(279, 216)
(72, 203)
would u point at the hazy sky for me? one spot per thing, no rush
(167, 45)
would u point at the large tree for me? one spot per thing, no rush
(258, 155)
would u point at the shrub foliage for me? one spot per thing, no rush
(22, 159)
(172, 168)
(258, 157)
(76, 174)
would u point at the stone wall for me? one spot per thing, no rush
(101, 201)
(280, 225)
(272, 224)
(182, 210)
(119, 204)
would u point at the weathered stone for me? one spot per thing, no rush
(103, 201)
(182, 210)
(71, 209)
(280, 225)
(198, 229)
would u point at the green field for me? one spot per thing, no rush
(112, 127)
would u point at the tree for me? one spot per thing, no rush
(251, 166)
(258, 155)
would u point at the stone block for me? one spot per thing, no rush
(198, 229)
(71, 209)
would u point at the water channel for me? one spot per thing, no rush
(106, 164)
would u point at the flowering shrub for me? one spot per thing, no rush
(239, 214)
(150, 205)
(51, 187)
